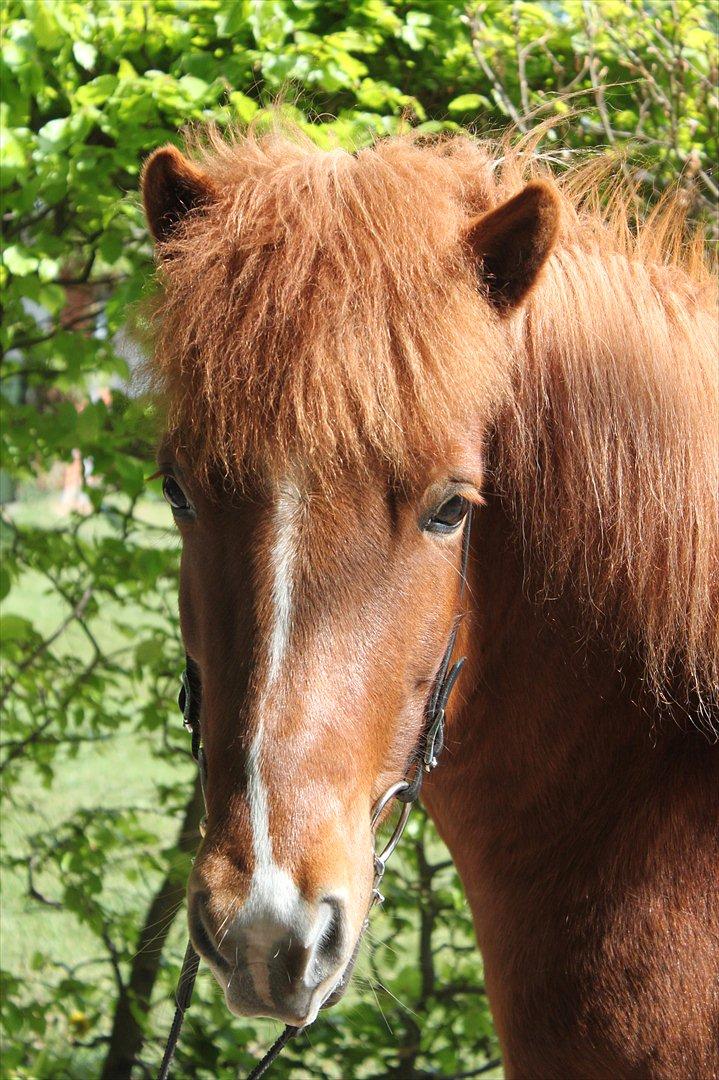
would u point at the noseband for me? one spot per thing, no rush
(423, 760)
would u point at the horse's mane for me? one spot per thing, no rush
(324, 308)
(608, 449)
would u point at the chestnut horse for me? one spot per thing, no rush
(351, 350)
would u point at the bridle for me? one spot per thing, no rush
(424, 759)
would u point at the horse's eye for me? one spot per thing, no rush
(449, 516)
(175, 496)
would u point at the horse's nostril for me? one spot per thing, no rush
(333, 934)
(294, 963)
(291, 959)
(201, 933)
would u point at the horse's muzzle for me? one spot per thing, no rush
(283, 962)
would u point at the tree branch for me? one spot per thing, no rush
(477, 29)
(76, 613)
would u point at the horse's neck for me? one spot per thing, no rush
(581, 816)
(550, 726)
(576, 819)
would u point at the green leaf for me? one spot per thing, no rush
(149, 652)
(37, 961)
(415, 31)
(46, 30)
(231, 19)
(48, 269)
(98, 90)
(19, 261)
(196, 89)
(466, 103)
(54, 135)
(132, 475)
(243, 106)
(13, 156)
(15, 628)
(270, 23)
(85, 54)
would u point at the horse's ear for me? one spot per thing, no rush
(512, 242)
(171, 187)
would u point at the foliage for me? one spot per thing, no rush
(88, 89)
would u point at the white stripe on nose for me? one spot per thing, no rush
(274, 905)
(283, 558)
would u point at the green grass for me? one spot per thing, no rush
(115, 774)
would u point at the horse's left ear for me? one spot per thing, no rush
(512, 242)
(172, 186)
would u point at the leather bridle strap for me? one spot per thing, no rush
(423, 760)
(431, 743)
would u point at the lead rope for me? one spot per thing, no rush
(183, 997)
(274, 1051)
(405, 791)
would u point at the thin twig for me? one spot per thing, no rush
(76, 613)
(477, 29)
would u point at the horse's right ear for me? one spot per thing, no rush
(172, 186)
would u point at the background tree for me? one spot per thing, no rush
(100, 797)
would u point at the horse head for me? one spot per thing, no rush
(334, 339)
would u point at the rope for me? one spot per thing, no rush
(274, 1051)
(183, 997)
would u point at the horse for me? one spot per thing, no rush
(352, 350)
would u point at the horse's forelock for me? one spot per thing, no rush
(322, 309)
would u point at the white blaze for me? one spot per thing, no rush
(274, 902)
(275, 909)
(282, 559)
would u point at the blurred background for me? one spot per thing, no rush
(100, 806)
